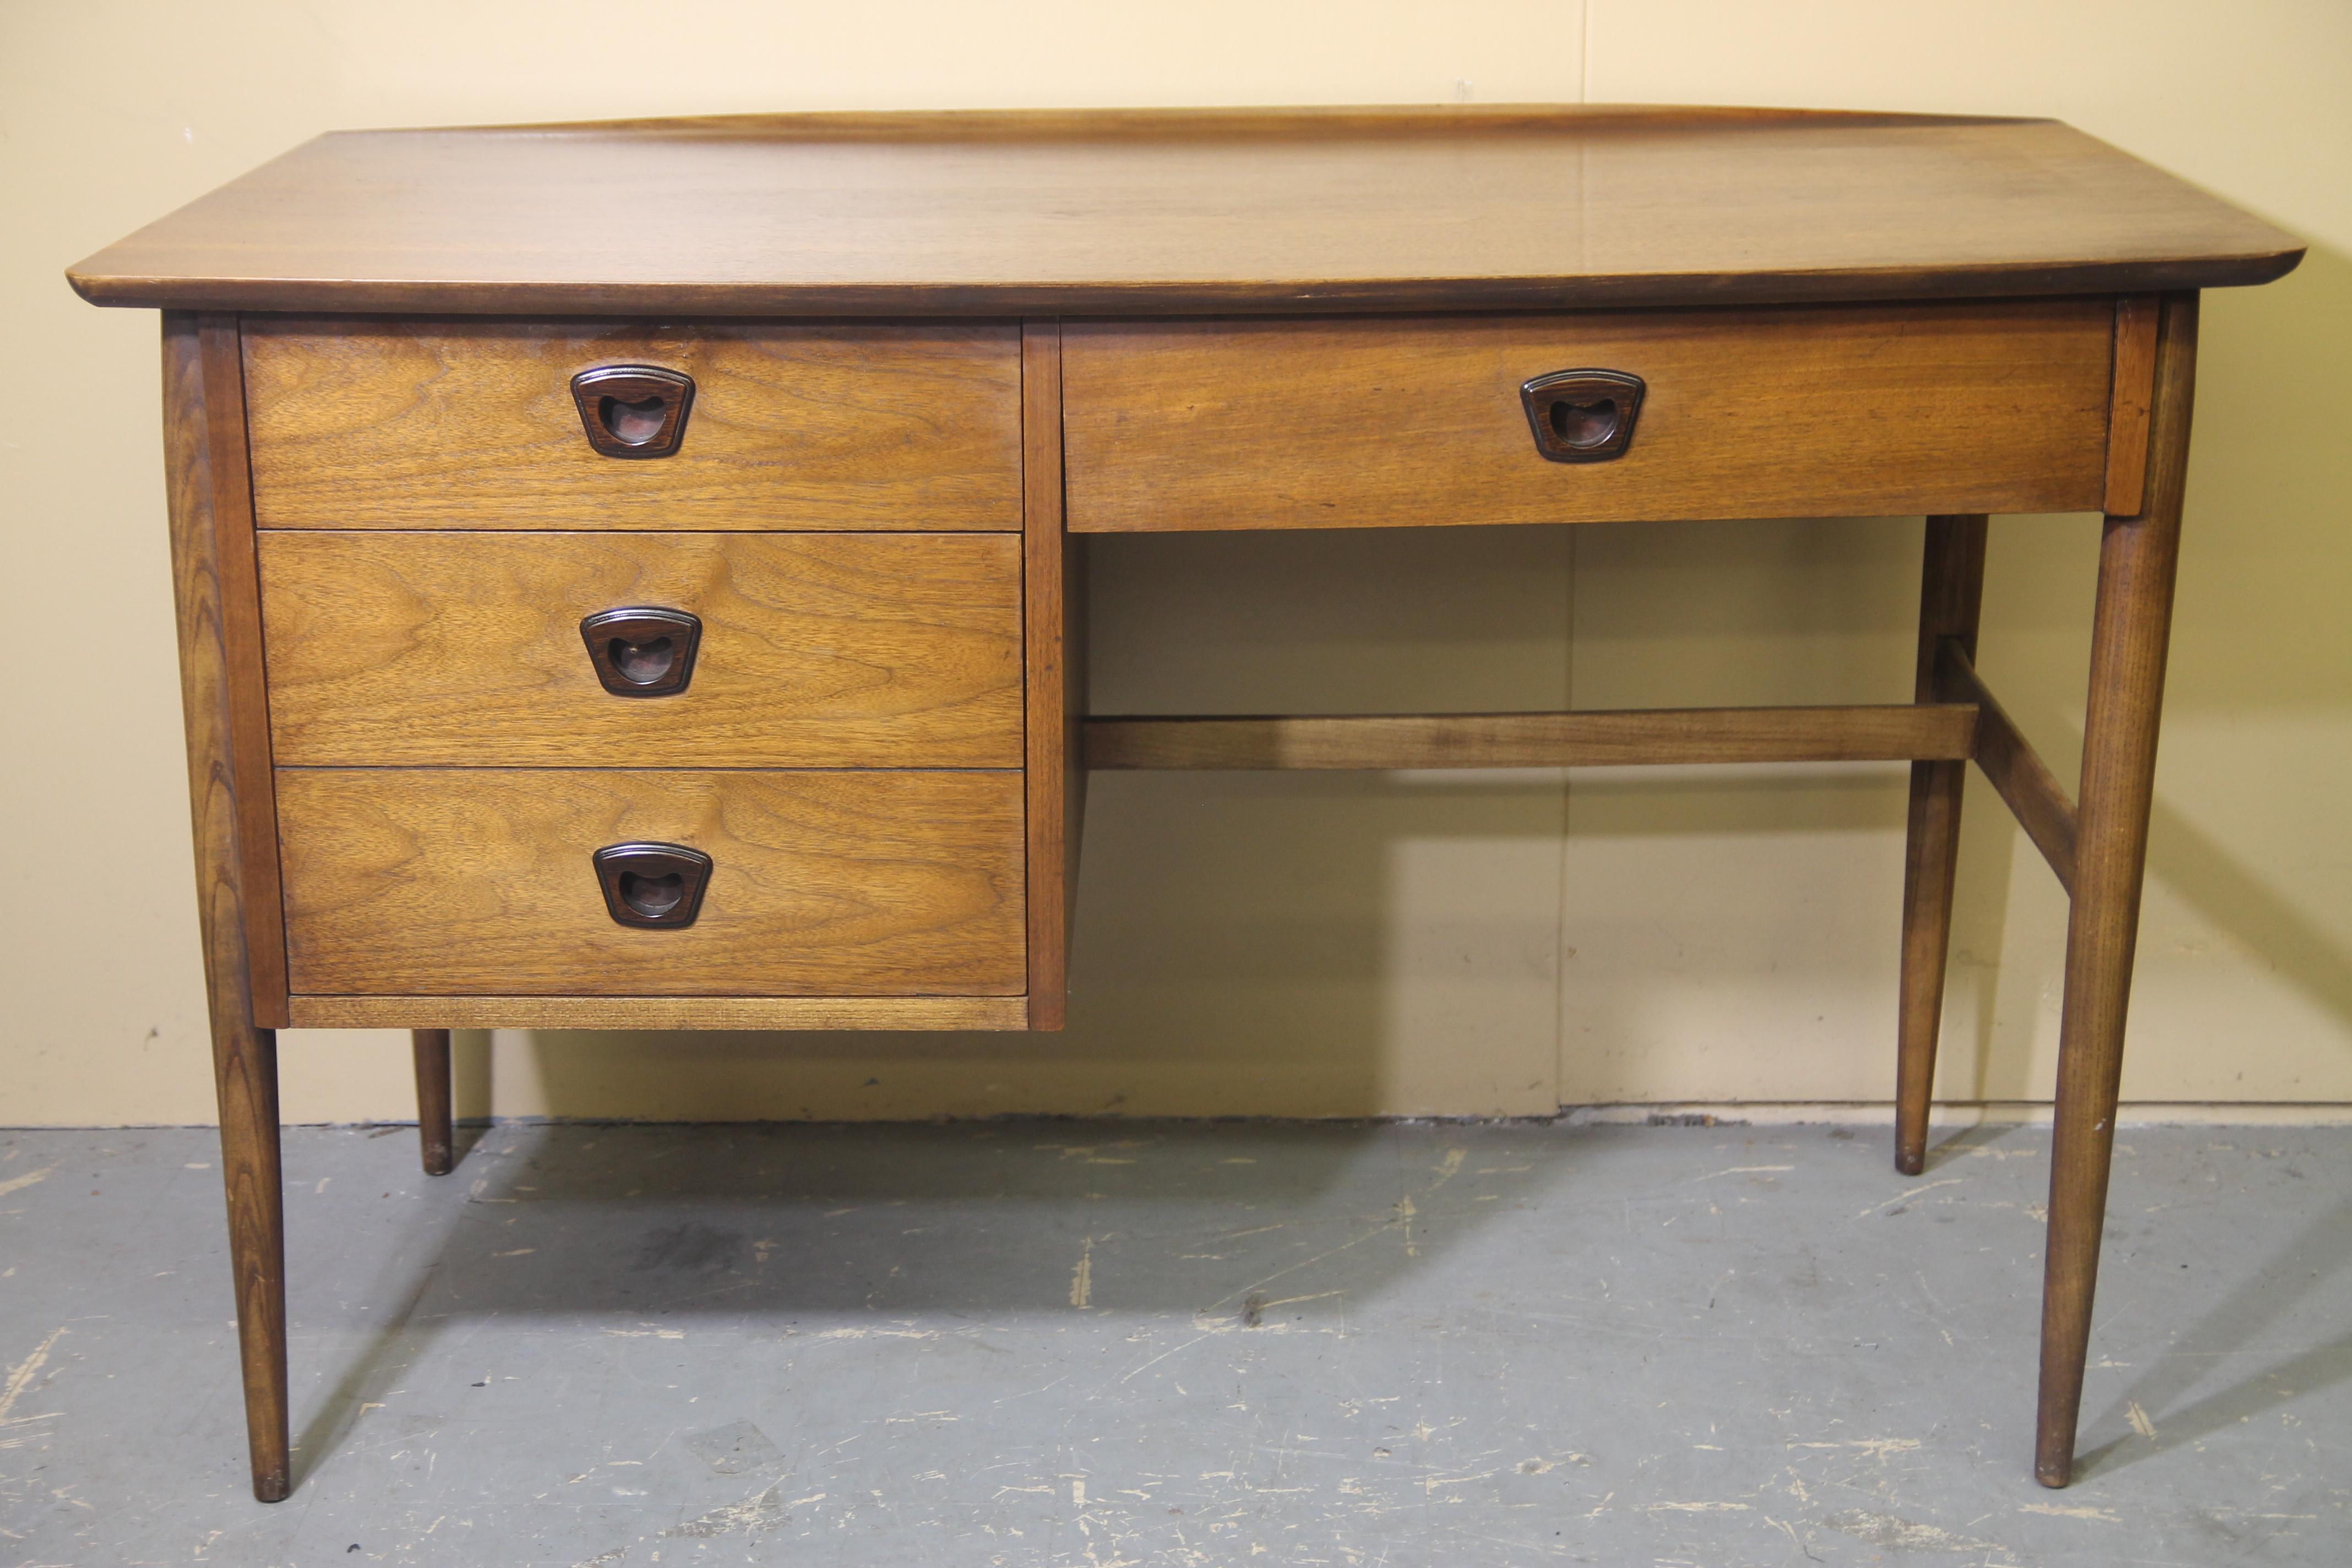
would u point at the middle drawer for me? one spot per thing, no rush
(833, 650)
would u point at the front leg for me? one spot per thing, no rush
(2137, 561)
(244, 1074)
(234, 822)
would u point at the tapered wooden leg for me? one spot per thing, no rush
(222, 699)
(2137, 557)
(244, 1074)
(431, 1047)
(1951, 591)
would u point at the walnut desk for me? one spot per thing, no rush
(625, 571)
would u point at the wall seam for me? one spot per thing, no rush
(1560, 1011)
(1584, 55)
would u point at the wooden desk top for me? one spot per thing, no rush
(1186, 211)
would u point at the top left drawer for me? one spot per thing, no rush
(384, 424)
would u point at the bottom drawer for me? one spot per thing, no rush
(451, 881)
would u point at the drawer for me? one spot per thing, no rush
(809, 650)
(457, 882)
(374, 424)
(1359, 422)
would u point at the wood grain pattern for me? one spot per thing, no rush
(817, 650)
(2135, 390)
(231, 615)
(1056, 677)
(2130, 631)
(663, 1011)
(1951, 594)
(2023, 780)
(212, 579)
(462, 882)
(435, 1138)
(472, 424)
(1135, 211)
(1373, 422)
(1839, 734)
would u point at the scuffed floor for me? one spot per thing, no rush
(1140, 1344)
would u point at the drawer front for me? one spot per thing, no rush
(358, 424)
(457, 882)
(812, 650)
(1855, 411)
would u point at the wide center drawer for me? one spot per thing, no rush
(1362, 422)
(806, 650)
(460, 883)
(378, 424)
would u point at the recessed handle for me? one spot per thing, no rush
(656, 886)
(1582, 416)
(642, 651)
(634, 410)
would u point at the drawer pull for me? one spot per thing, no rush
(642, 651)
(1582, 416)
(657, 886)
(634, 410)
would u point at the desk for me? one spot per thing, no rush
(626, 572)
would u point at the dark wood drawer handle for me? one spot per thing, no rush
(642, 651)
(657, 886)
(1582, 416)
(634, 410)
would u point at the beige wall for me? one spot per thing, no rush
(1306, 944)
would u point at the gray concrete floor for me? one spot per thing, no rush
(1148, 1343)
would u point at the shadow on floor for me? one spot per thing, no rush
(2229, 1334)
(775, 1223)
